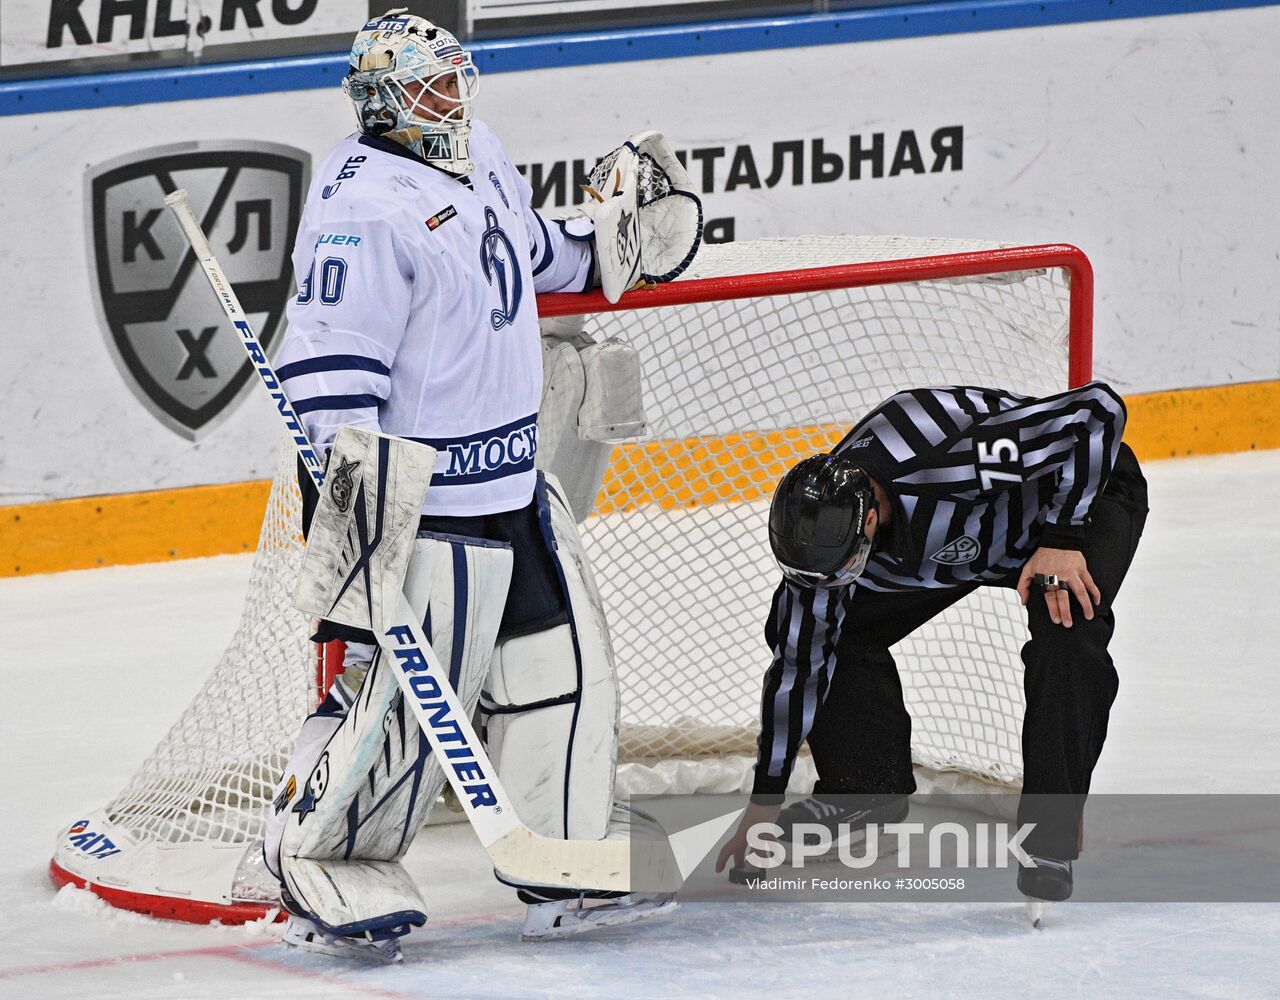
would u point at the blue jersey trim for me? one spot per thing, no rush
(480, 436)
(589, 238)
(486, 455)
(336, 403)
(232, 79)
(486, 476)
(331, 363)
(547, 255)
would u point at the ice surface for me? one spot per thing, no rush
(96, 665)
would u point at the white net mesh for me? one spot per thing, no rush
(211, 776)
(735, 392)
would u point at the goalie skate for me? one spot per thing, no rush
(566, 917)
(307, 935)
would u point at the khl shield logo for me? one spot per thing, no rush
(166, 333)
(963, 550)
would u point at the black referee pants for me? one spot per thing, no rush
(861, 736)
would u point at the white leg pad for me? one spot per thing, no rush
(374, 778)
(351, 897)
(579, 464)
(551, 709)
(613, 402)
(467, 582)
(563, 388)
(592, 397)
(300, 775)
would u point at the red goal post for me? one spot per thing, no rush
(972, 263)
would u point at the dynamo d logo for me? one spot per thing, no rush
(165, 330)
(501, 270)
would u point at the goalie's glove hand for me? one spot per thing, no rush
(648, 221)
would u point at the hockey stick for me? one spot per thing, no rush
(514, 849)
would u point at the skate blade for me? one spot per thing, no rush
(1036, 909)
(317, 944)
(572, 924)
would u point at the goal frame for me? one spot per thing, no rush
(782, 282)
(1005, 260)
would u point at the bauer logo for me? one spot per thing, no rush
(165, 330)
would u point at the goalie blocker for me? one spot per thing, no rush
(362, 779)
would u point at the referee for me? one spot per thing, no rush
(935, 493)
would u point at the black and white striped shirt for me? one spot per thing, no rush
(979, 479)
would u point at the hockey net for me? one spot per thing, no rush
(763, 353)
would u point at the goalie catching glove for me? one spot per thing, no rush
(648, 221)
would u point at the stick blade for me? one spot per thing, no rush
(614, 865)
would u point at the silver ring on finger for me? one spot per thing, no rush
(1048, 582)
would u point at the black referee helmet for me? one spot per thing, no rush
(817, 521)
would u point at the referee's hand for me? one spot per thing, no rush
(1069, 566)
(736, 848)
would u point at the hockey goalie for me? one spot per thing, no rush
(417, 261)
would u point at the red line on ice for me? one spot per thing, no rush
(222, 951)
(238, 953)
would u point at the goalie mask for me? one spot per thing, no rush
(411, 80)
(817, 522)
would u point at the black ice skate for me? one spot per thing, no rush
(1050, 881)
(845, 817)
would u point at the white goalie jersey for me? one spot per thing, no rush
(416, 312)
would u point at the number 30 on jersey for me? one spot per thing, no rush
(333, 277)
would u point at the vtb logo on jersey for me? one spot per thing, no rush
(165, 332)
(493, 179)
(501, 270)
